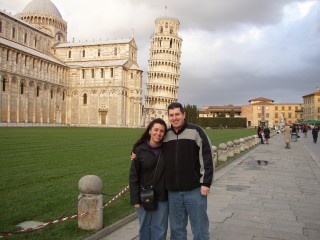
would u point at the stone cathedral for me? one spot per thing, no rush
(46, 80)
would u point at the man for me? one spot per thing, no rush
(189, 173)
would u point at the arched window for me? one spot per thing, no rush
(21, 88)
(161, 29)
(51, 93)
(69, 53)
(13, 32)
(4, 85)
(111, 72)
(99, 52)
(131, 75)
(25, 37)
(38, 91)
(115, 51)
(83, 53)
(101, 72)
(85, 99)
(63, 96)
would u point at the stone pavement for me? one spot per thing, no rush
(273, 200)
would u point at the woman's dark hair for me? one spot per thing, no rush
(145, 135)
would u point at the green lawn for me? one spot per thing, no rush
(41, 167)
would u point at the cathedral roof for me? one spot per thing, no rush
(42, 6)
(31, 51)
(90, 64)
(91, 43)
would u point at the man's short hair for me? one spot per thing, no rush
(176, 105)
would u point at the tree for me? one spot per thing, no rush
(232, 113)
(191, 113)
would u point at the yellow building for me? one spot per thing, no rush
(259, 111)
(289, 112)
(311, 103)
(265, 111)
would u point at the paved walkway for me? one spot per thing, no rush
(252, 201)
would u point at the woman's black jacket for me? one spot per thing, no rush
(142, 172)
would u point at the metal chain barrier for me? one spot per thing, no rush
(3, 235)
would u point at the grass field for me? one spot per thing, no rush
(41, 167)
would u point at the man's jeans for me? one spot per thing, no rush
(153, 224)
(192, 204)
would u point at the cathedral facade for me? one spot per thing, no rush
(47, 80)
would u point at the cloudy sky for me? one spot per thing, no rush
(232, 50)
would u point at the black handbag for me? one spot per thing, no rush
(147, 196)
(148, 200)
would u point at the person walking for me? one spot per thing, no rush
(287, 135)
(266, 132)
(305, 131)
(260, 133)
(315, 132)
(147, 171)
(189, 172)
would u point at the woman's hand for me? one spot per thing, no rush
(137, 205)
(133, 156)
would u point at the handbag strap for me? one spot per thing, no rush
(154, 176)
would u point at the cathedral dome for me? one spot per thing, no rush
(42, 6)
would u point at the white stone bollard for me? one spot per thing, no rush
(222, 152)
(241, 144)
(251, 142)
(91, 201)
(230, 149)
(236, 146)
(215, 158)
(246, 143)
(257, 139)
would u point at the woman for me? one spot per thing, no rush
(147, 169)
(260, 133)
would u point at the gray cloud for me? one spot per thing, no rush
(232, 50)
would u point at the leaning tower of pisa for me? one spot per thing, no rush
(163, 69)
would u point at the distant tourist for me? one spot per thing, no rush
(260, 134)
(315, 132)
(305, 131)
(266, 132)
(287, 135)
